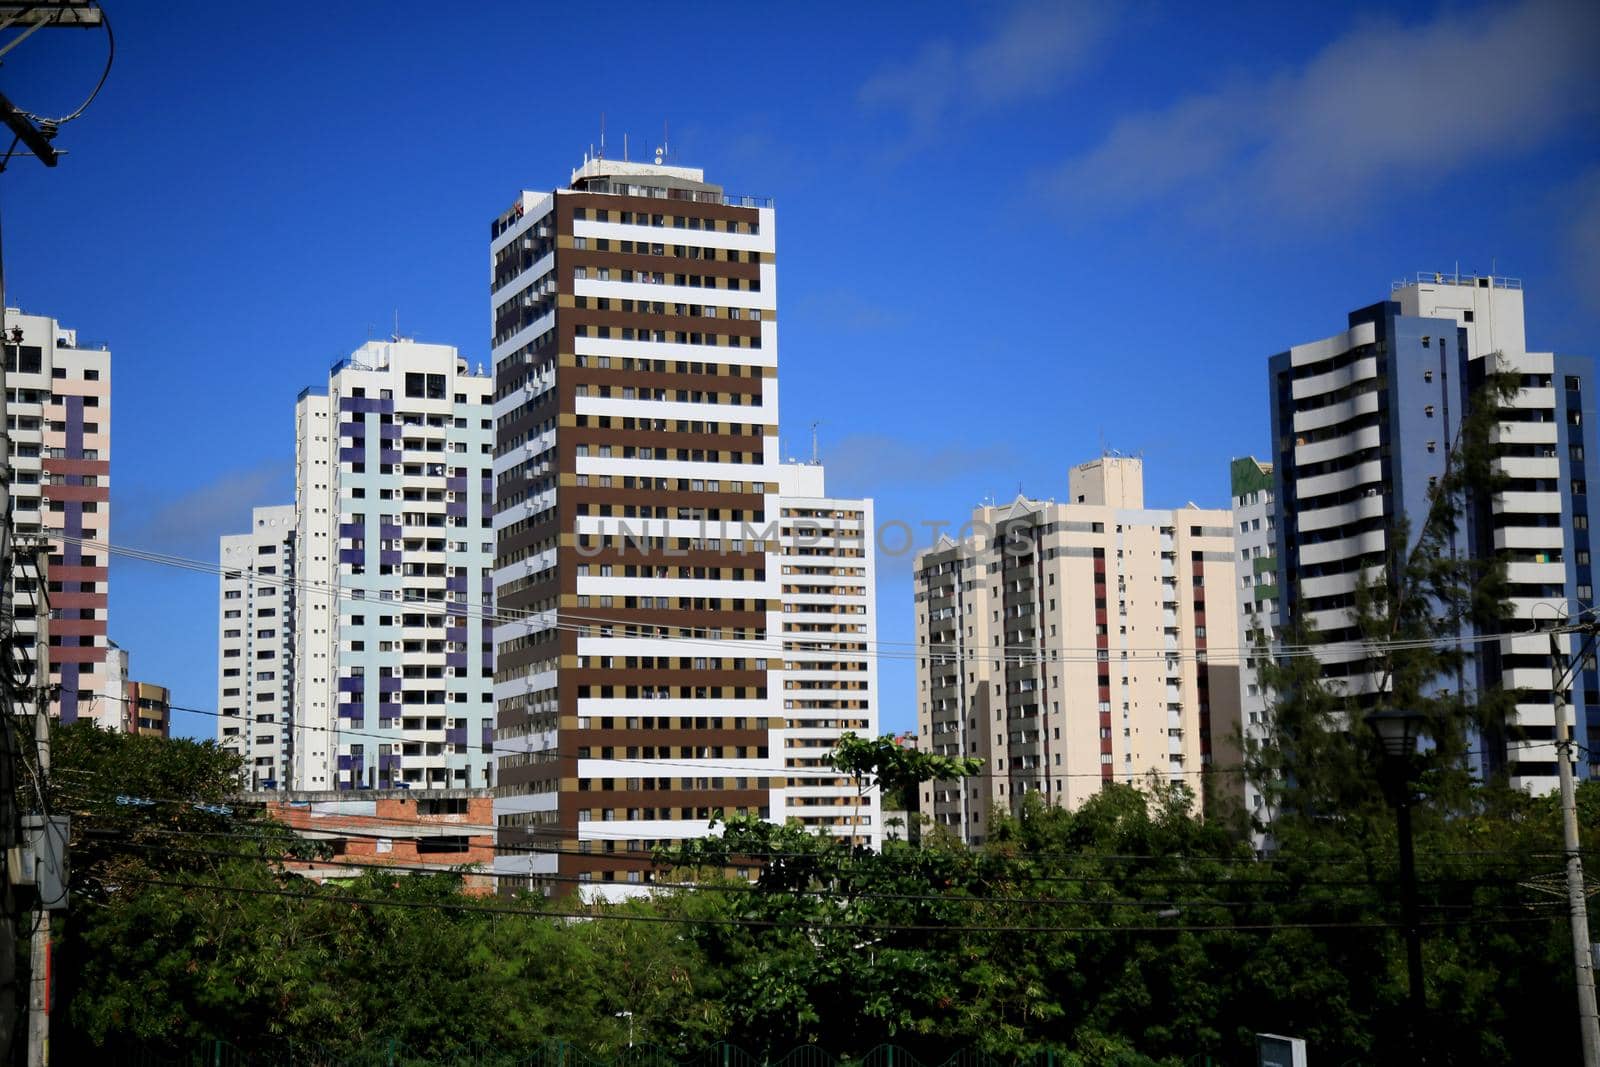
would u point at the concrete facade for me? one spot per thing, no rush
(648, 681)
(148, 709)
(1070, 645)
(364, 657)
(391, 828)
(394, 497)
(1255, 540)
(827, 569)
(1364, 421)
(58, 421)
(256, 646)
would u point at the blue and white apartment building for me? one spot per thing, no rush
(383, 646)
(1362, 423)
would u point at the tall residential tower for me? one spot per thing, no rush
(640, 671)
(256, 646)
(377, 607)
(1255, 540)
(1363, 422)
(58, 418)
(1072, 645)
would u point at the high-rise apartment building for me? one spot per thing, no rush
(1069, 645)
(827, 566)
(637, 482)
(256, 646)
(1255, 539)
(1363, 422)
(58, 419)
(378, 605)
(148, 709)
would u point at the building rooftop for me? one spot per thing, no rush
(1476, 281)
(623, 178)
(601, 168)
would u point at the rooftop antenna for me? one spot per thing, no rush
(624, 146)
(396, 335)
(666, 142)
(814, 426)
(602, 135)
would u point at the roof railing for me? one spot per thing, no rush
(1429, 277)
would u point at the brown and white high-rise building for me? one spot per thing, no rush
(638, 656)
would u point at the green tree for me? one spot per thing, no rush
(893, 768)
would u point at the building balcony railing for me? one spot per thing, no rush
(699, 196)
(1428, 277)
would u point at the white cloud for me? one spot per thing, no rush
(1386, 103)
(1032, 51)
(190, 524)
(846, 311)
(873, 463)
(1583, 238)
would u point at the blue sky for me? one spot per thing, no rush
(1007, 235)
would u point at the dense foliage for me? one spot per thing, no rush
(1125, 932)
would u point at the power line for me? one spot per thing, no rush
(583, 625)
(307, 867)
(339, 898)
(748, 770)
(1490, 856)
(111, 55)
(289, 804)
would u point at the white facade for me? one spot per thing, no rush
(1365, 422)
(827, 567)
(1255, 541)
(255, 646)
(1533, 527)
(379, 581)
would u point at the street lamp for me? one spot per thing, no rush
(1398, 731)
(628, 1015)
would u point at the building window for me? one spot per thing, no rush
(1428, 411)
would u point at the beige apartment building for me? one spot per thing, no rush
(1069, 645)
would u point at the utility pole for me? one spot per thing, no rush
(39, 954)
(35, 135)
(10, 814)
(1577, 895)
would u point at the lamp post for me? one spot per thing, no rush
(628, 1015)
(1398, 730)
